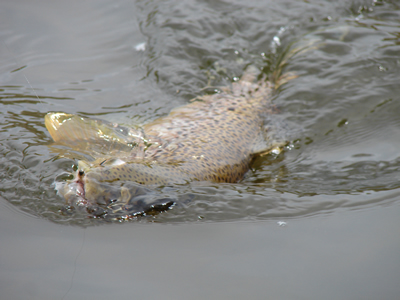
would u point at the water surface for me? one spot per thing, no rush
(133, 61)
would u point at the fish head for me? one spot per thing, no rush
(109, 182)
(91, 190)
(86, 188)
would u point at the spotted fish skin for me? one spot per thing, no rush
(213, 138)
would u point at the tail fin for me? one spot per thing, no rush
(77, 132)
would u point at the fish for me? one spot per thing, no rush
(213, 138)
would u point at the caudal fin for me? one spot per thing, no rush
(77, 132)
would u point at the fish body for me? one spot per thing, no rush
(213, 138)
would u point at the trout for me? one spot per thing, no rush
(212, 138)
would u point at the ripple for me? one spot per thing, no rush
(343, 153)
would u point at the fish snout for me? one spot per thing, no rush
(73, 192)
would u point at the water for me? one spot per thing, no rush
(131, 62)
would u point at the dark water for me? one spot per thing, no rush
(336, 185)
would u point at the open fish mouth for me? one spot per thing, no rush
(73, 192)
(118, 202)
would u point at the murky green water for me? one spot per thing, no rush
(133, 61)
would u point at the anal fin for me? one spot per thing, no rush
(272, 138)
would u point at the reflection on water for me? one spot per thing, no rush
(341, 111)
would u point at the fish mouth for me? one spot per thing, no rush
(120, 203)
(73, 192)
(80, 193)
